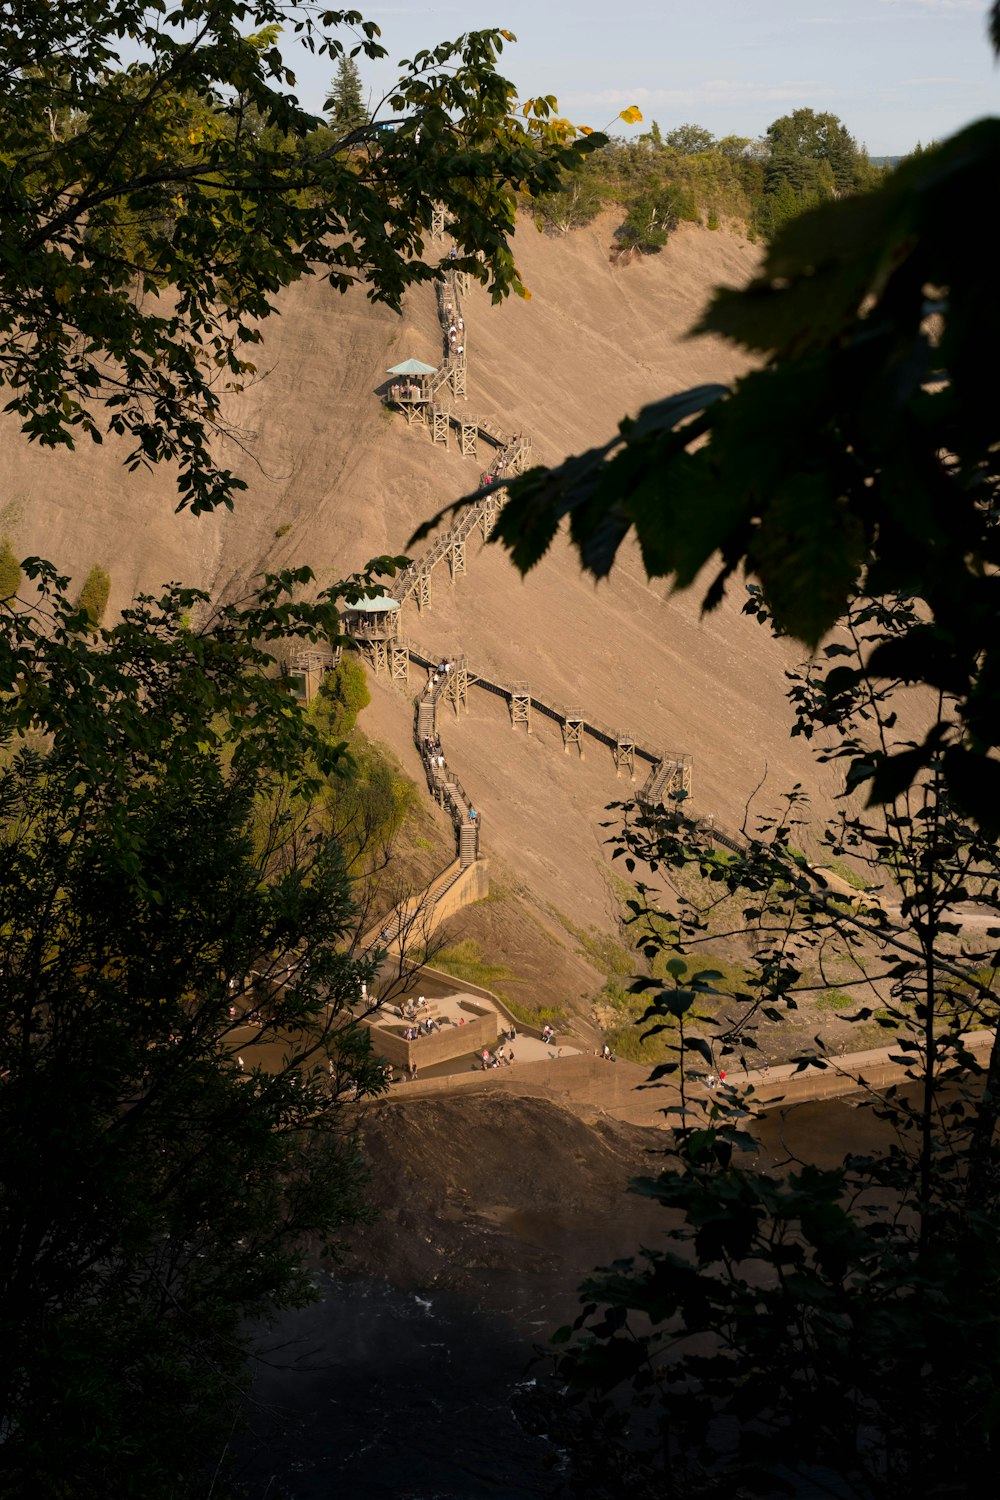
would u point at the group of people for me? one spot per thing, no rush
(432, 752)
(423, 1028)
(496, 1059)
(503, 463)
(456, 330)
(607, 1053)
(548, 1034)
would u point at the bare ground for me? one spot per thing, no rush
(343, 480)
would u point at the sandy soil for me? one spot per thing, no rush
(349, 480)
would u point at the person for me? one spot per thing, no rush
(722, 1075)
(607, 1052)
(453, 252)
(472, 814)
(711, 1080)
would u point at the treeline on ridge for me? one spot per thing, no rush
(662, 179)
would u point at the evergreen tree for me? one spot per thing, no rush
(345, 105)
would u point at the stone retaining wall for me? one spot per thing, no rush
(589, 1086)
(447, 1042)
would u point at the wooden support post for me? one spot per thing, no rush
(437, 221)
(573, 725)
(470, 435)
(462, 282)
(424, 589)
(457, 684)
(520, 705)
(400, 662)
(457, 558)
(440, 424)
(456, 375)
(379, 656)
(489, 510)
(624, 753)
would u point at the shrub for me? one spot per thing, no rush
(10, 571)
(95, 594)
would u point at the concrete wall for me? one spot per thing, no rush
(442, 1045)
(589, 1086)
(472, 885)
(842, 1075)
(417, 924)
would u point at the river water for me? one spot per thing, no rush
(375, 1392)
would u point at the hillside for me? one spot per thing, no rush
(342, 479)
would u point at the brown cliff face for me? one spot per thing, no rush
(344, 480)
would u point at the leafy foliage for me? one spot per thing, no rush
(343, 696)
(10, 572)
(177, 1041)
(798, 1326)
(95, 593)
(152, 212)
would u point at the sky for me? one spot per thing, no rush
(895, 71)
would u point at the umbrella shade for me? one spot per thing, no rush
(412, 367)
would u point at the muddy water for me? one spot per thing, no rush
(376, 1391)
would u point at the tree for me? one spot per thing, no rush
(650, 219)
(804, 134)
(143, 244)
(342, 697)
(688, 140)
(798, 1327)
(177, 1039)
(346, 106)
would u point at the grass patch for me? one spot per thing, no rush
(537, 1015)
(833, 1000)
(845, 872)
(465, 961)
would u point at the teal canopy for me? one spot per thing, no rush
(381, 604)
(412, 367)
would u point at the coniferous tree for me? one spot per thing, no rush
(345, 105)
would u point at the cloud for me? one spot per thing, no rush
(718, 91)
(940, 5)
